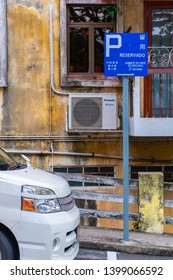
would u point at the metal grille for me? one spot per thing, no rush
(159, 83)
(67, 202)
(87, 112)
(160, 57)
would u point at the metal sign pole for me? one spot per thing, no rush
(126, 54)
(125, 159)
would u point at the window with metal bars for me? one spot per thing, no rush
(158, 97)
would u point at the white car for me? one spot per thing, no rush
(39, 218)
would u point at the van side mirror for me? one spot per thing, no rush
(27, 160)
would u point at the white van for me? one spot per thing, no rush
(38, 216)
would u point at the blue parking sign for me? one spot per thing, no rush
(126, 54)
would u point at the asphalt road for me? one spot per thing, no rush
(89, 254)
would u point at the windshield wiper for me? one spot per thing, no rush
(12, 167)
(16, 166)
(4, 167)
(20, 165)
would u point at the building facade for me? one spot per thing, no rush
(53, 91)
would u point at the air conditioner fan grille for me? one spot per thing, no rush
(87, 112)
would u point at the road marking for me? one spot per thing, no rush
(111, 255)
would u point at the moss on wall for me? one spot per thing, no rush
(151, 209)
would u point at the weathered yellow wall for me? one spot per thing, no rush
(28, 109)
(133, 15)
(26, 104)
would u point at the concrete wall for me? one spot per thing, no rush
(31, 118)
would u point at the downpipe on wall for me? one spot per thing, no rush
(53, 89)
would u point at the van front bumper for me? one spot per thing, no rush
(48, 236)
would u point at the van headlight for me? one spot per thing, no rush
(38, 199)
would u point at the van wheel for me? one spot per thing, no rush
(6, 248)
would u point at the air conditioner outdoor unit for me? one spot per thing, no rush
(92, 112)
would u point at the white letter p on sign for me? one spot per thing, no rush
(111, 46)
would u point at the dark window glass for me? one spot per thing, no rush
(99, 48)
(90, 184)
(75, 170)
(135, 170)
(91, 170)
(75, 184)
(138, 168)
(154, 168)
(60, 169)
(167, 176)
(168, 168)
(134, 175)
(106, 169)
(79, 50)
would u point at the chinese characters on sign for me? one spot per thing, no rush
(126, 54)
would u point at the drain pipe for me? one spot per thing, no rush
(3, 43)
(54, 90)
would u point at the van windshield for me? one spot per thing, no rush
(6, 161)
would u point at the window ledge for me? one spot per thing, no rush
(149, 127)
(90, 81)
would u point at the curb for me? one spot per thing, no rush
(132, 246)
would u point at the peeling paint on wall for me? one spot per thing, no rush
(31, 3)
(151, 209)
(27, 97)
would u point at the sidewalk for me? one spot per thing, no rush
(139, 243)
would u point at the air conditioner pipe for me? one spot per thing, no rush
(51, 37)
(11, 151)
(41, 153)
(54, 90)
(3, 43)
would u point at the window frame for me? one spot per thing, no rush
(91, 26)
(149, 6)
(84, 79)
